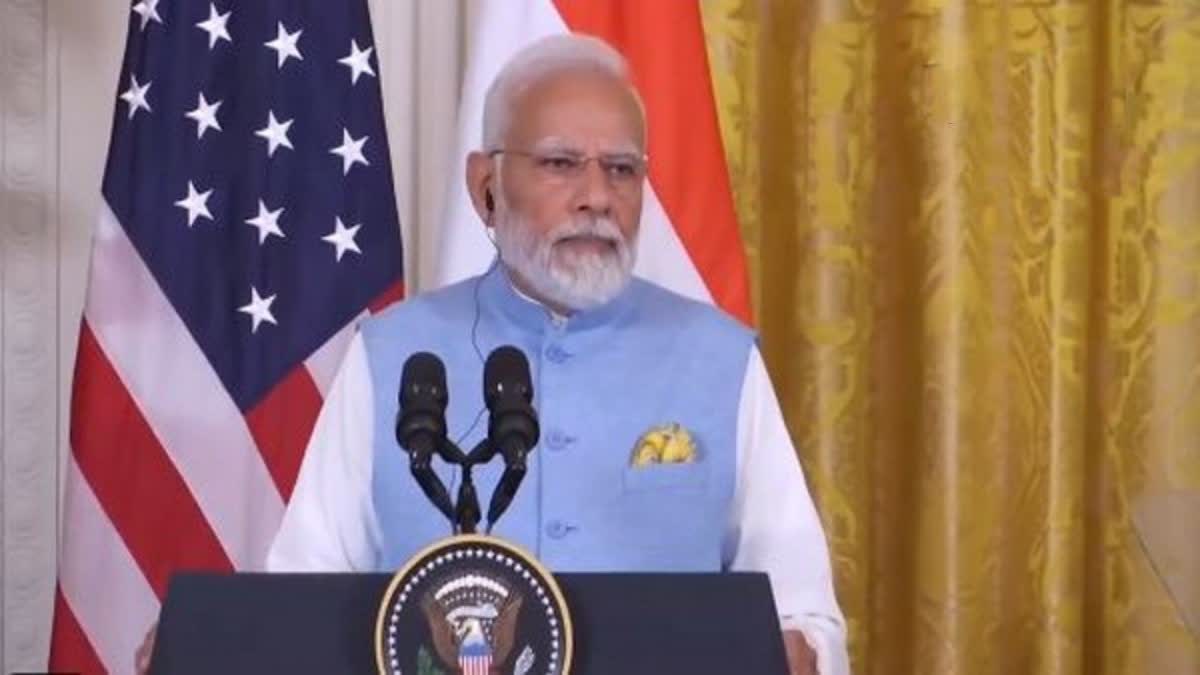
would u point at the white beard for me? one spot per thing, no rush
(575, 280)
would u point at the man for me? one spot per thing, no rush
(559, 185)
(615, 361)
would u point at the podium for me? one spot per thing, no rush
(628, 624)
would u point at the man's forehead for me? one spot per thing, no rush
(555, 143)
(577, 108)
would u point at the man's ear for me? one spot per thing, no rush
(481, 184)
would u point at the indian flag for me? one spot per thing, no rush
(689, 240)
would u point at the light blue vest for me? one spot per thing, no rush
(601, 380)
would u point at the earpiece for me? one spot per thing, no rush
(489, 203)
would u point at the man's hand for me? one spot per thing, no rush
(141, 658)
(802, 660)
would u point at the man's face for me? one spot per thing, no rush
(570, 188)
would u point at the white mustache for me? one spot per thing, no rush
(600, 228)
(576, 279)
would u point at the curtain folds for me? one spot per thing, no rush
(974, 236)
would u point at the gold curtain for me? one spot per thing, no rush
(974, 234)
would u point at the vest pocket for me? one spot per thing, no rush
(690, 477)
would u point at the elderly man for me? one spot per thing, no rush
(558, 183)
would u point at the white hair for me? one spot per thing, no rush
(545, 57)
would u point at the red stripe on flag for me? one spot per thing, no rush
(393, 293)
(664, 43)
(281, 424)
(132, 476)
(70, 650)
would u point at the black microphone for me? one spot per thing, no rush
(513, 426)
(421, 423)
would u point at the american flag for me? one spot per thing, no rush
(248, 221)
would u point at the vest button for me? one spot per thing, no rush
(557, 529)
(558, 441)
(556, 354)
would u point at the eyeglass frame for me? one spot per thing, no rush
(582, 160)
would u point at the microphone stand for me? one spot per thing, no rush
(464, 513)
(469, 511)
(506, 488)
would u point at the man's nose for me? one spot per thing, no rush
(595, 189)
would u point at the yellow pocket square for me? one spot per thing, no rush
(667, 444)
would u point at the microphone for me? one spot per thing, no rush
(421, 423)
(513, 427)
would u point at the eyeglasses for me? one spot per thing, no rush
(624, 170)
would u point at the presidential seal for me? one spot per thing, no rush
(473, 605)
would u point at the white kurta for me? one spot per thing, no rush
(330, 523)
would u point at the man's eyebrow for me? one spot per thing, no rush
(627, 148)
(559, 144)
(554, 143)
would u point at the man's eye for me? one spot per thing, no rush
(558, 162)
(622, 169)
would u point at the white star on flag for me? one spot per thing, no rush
(205, 239)
(205, 115)
(267, 222)
(259, 309)
(284, 45)
(135, 96)
(215, 26)
(358, 61)
(195, 203)
(351, 151)
(342, 238)
(148, 10)
(276, 133)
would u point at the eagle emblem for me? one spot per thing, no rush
(473, 605)
(472, 620)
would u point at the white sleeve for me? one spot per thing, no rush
(774, 526)
(329, 524)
